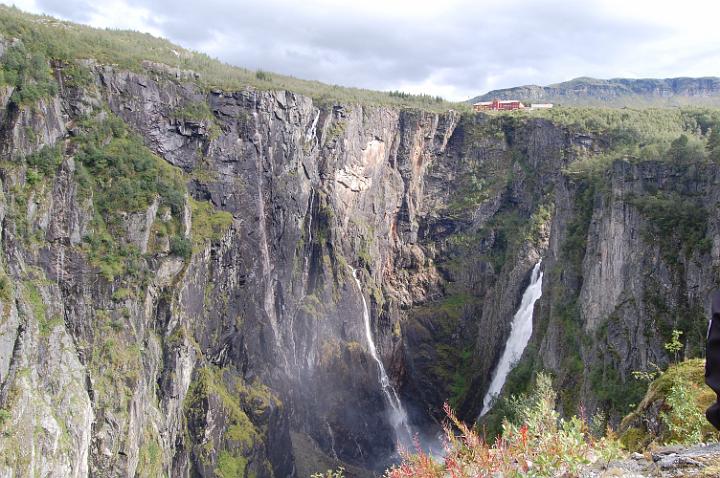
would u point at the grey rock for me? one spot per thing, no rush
(262, 326)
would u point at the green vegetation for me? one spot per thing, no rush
(238, 400)
(681, 137)
(677, 399)
(461, 380)
(674, 346)
(43, 163)
(208, 224)
(181, 247)
(615, 394)
(31, 293)
(336, 129)
(5, 416)
(635, 127)
(451, 358)
(150, 460)
(677, 223)
(683, 142)
(481, 178)
(26, 69)
(471, 192)
(538, 443)
(49, 38)
(115, 365)
(121, 294)
(263, 76)
(566, 311)
(6, 287)
(538, 221)
(509, 228)
(230, 466)
(196, 111)
(685, 421)
(41, 166)
(125, 175)
(122, 176)
(35, 300)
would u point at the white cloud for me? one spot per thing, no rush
(453, 48)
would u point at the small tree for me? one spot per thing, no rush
(674, 346)
(263, 76)
(181, 247)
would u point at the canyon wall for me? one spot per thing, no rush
(220, 333)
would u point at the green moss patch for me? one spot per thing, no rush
(676, 401)
(240, 436)
(208, 223)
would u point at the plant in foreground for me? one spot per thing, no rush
(541, 445)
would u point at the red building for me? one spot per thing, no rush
(499, 105)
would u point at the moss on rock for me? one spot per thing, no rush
(662, 418)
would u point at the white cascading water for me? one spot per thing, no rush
(398, 416)
(518, 340)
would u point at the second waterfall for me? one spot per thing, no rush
(398, 416)
(518, 339)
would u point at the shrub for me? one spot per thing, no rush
(193, 110)
(208, 224)
(263, 75)
(543, 445)
(5, 415)
(27, 71)
(121, 294)
(121, 175)
(46, 161)
(6, 289)
(685, 420)
(181, 247)
(686, 149)
(676, 400)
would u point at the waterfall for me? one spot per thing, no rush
(518, 339)
(398, 416)
(310, 216)
(312, 131)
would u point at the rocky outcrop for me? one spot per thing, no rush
(665, 462)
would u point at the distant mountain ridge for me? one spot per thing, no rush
(616, 92)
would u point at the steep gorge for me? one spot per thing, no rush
(211, 334)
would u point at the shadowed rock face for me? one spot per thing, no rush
(207, 363)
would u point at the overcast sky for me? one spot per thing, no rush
(453, 48)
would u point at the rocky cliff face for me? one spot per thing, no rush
(645, 264)
(215, 329)
(200, 364)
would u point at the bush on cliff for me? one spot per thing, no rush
(542, 445)
(28, 72)
(673, 410)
